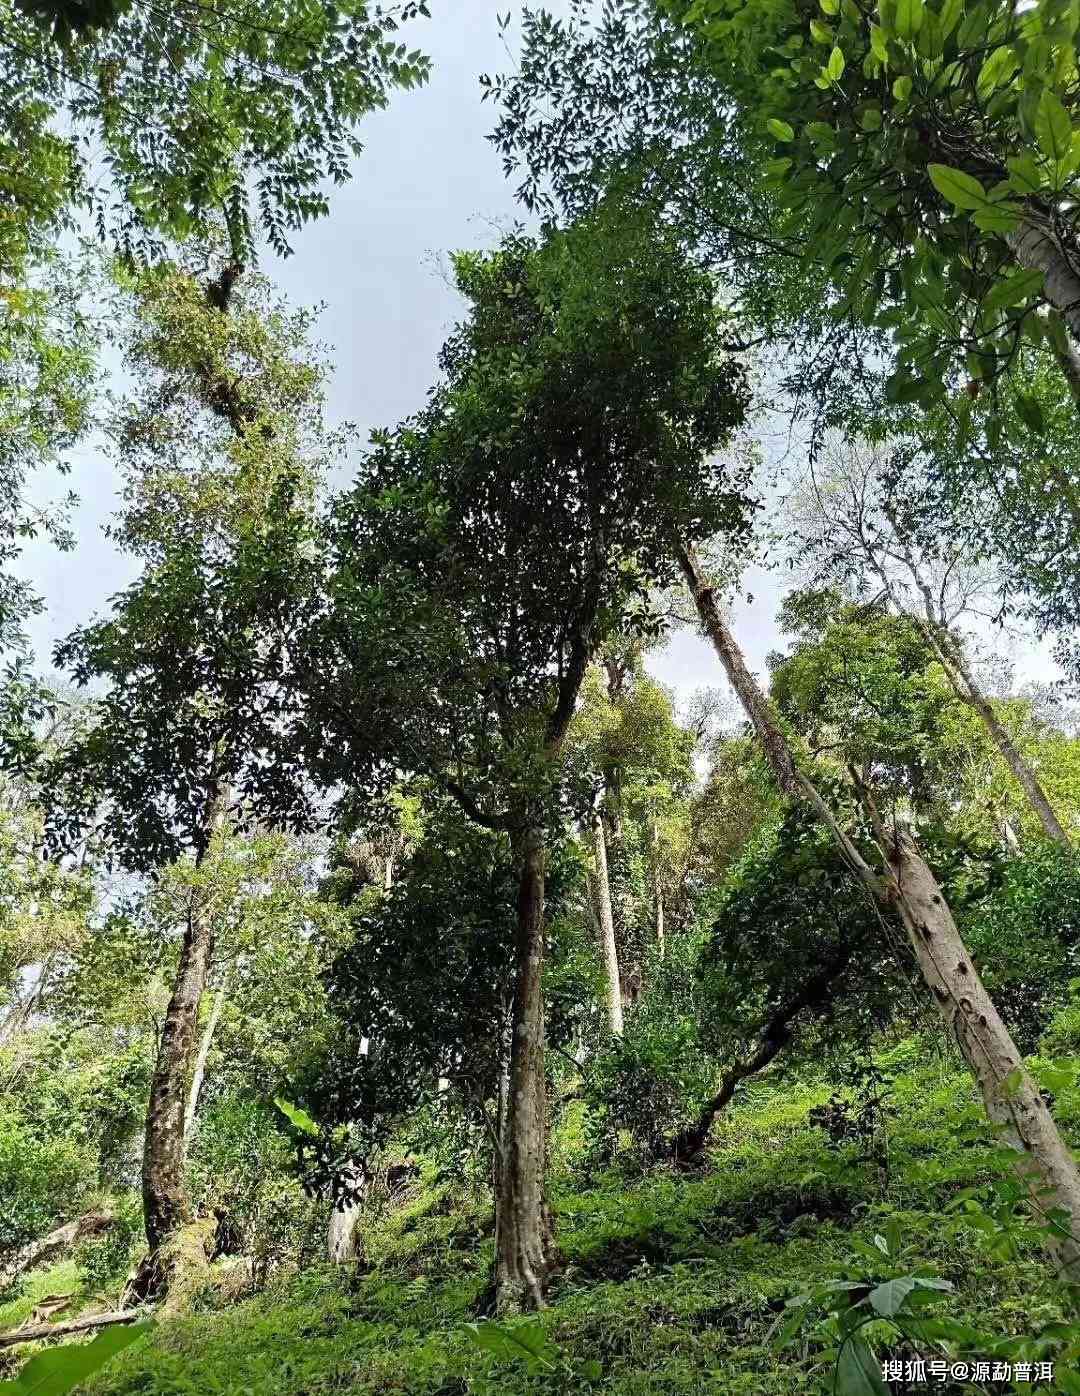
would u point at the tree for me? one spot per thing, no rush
(863, 532)
(924, 156)
(219, 451)
(201, 111)
(903, 880)
(492, 544)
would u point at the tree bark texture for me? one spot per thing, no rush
(1012, 1099)
(39, 1332)
(1035, 245)
(607, 928)
(166, 1205)
(523, 1244)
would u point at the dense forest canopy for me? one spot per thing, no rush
(409, 980)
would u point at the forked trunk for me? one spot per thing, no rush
(1012, 1100)
(950, 656)
(523, 1245)
(165, 1199)
(607, 928)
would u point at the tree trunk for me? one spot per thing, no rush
(818, 991)
(523, 1246)
(1012, 1099)
(658, 889)
(166, 1205)
(607, 928)
(1034, 245)
(949, 655)
(341, 1241)
(199, 1074)
(968, 691)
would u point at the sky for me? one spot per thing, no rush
(427, 182)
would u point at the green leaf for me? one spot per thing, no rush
(1025, 174)
(996, 72)
(1031, 414)
(909, 18)
(889, 1298)
(1012, 1083)
(879, 45)
(780, 129)
(57, 1371)
(871, 119)
(961, 189)
(830, 7)
(951, 11)
(821, 133)
(298, 1117)
(1053, 129)
(1013, 289)
(858, 1372)
(996, 218)
(834, 69)
(527, 1342)
(820, 33)
(901, 88)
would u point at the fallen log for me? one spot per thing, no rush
(48, 1247)
(35, 1332)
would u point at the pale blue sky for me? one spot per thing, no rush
(428, 181)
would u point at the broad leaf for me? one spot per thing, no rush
(57, 1371)
(961, 189)
(1013, 289)
(1053, 129)
(300, 1118)
(858, 1372)
(909, 18)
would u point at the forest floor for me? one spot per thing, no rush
(669, 1282)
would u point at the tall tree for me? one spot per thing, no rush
(904, 881)
(218, 447)
(851, 519)
(491, 545)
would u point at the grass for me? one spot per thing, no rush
(670, 1283)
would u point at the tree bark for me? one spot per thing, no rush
(819, 989)
(607, 928)
(341, 1243)
(57, 1242)
(523, 1244)
(39, 1331)
(1012, 1099)
(906, 882)
(166, 1205)
(199, 1074)
(1035, 245)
